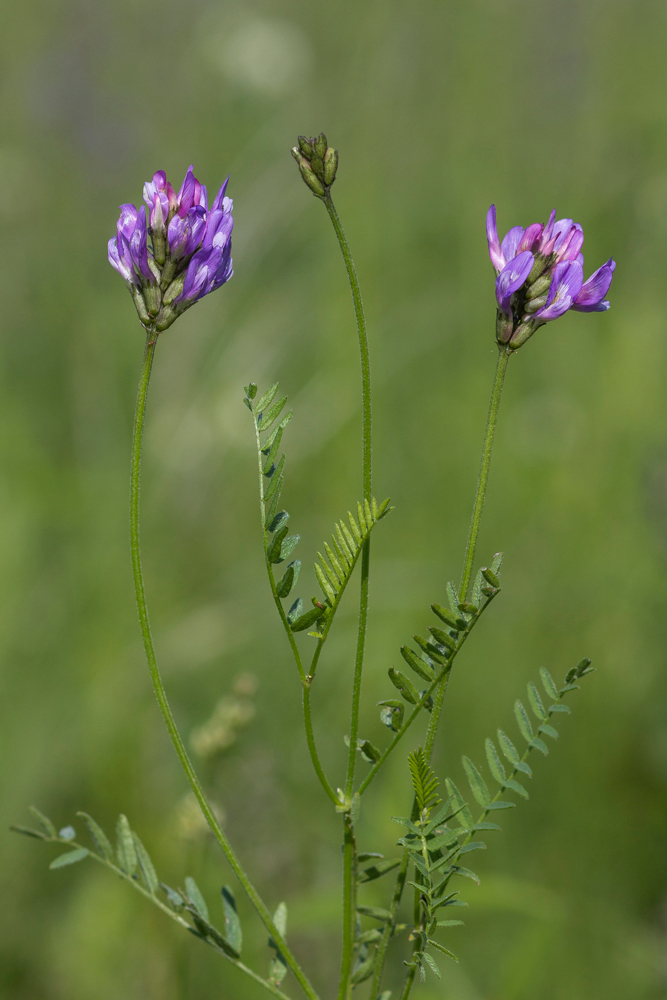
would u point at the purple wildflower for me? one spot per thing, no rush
(175, 251)
(541, 276)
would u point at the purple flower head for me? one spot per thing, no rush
(174, 251)
(540, 276)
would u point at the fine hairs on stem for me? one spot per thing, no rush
(171, 254)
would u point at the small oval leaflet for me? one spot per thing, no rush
(70, 858)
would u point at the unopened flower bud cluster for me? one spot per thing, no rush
(318, 163)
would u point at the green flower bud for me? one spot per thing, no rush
(153, 299)
(140, 305)
(309, 177)
(330, 166)
(532, 305)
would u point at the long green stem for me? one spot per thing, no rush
(504, 353)
(158, 686)
(349, 876)
(349, 909)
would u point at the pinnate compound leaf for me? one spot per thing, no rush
(125, 850)
(195, 897)
(476, 782)
(523, 721)
(494, 762)
(232, 923)
(44, 821)
(100, 838)
(147, 872)
(70, 858)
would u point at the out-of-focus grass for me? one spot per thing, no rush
(437, 109)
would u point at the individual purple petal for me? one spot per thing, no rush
(219, 225)
(225, 268)
(127, 220)
(155, 186)
(185, 233)
(186, 196)
(568, 277)
(593, 291)
(203, 197)
(530, 238)
(120, 262)
(159, 209)
(572, 244)
(512, 278)
(495, 253)
(200, 274)
(221, 194)
(510, 245)
(139, 247)
(548, 232)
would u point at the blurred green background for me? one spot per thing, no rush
(437, 109)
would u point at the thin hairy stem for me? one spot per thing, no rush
(158, 686)
(390, 924)
(504, 353)
(349, 875)
(310, 739)
(349, 906)
(367, 483)
(409, 980)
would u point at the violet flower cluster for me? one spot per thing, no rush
(541, 276)
(175, 250)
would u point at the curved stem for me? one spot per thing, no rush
(504, 353)
(310, 739)
(367, 482)
(158, 686)
(349, 874)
